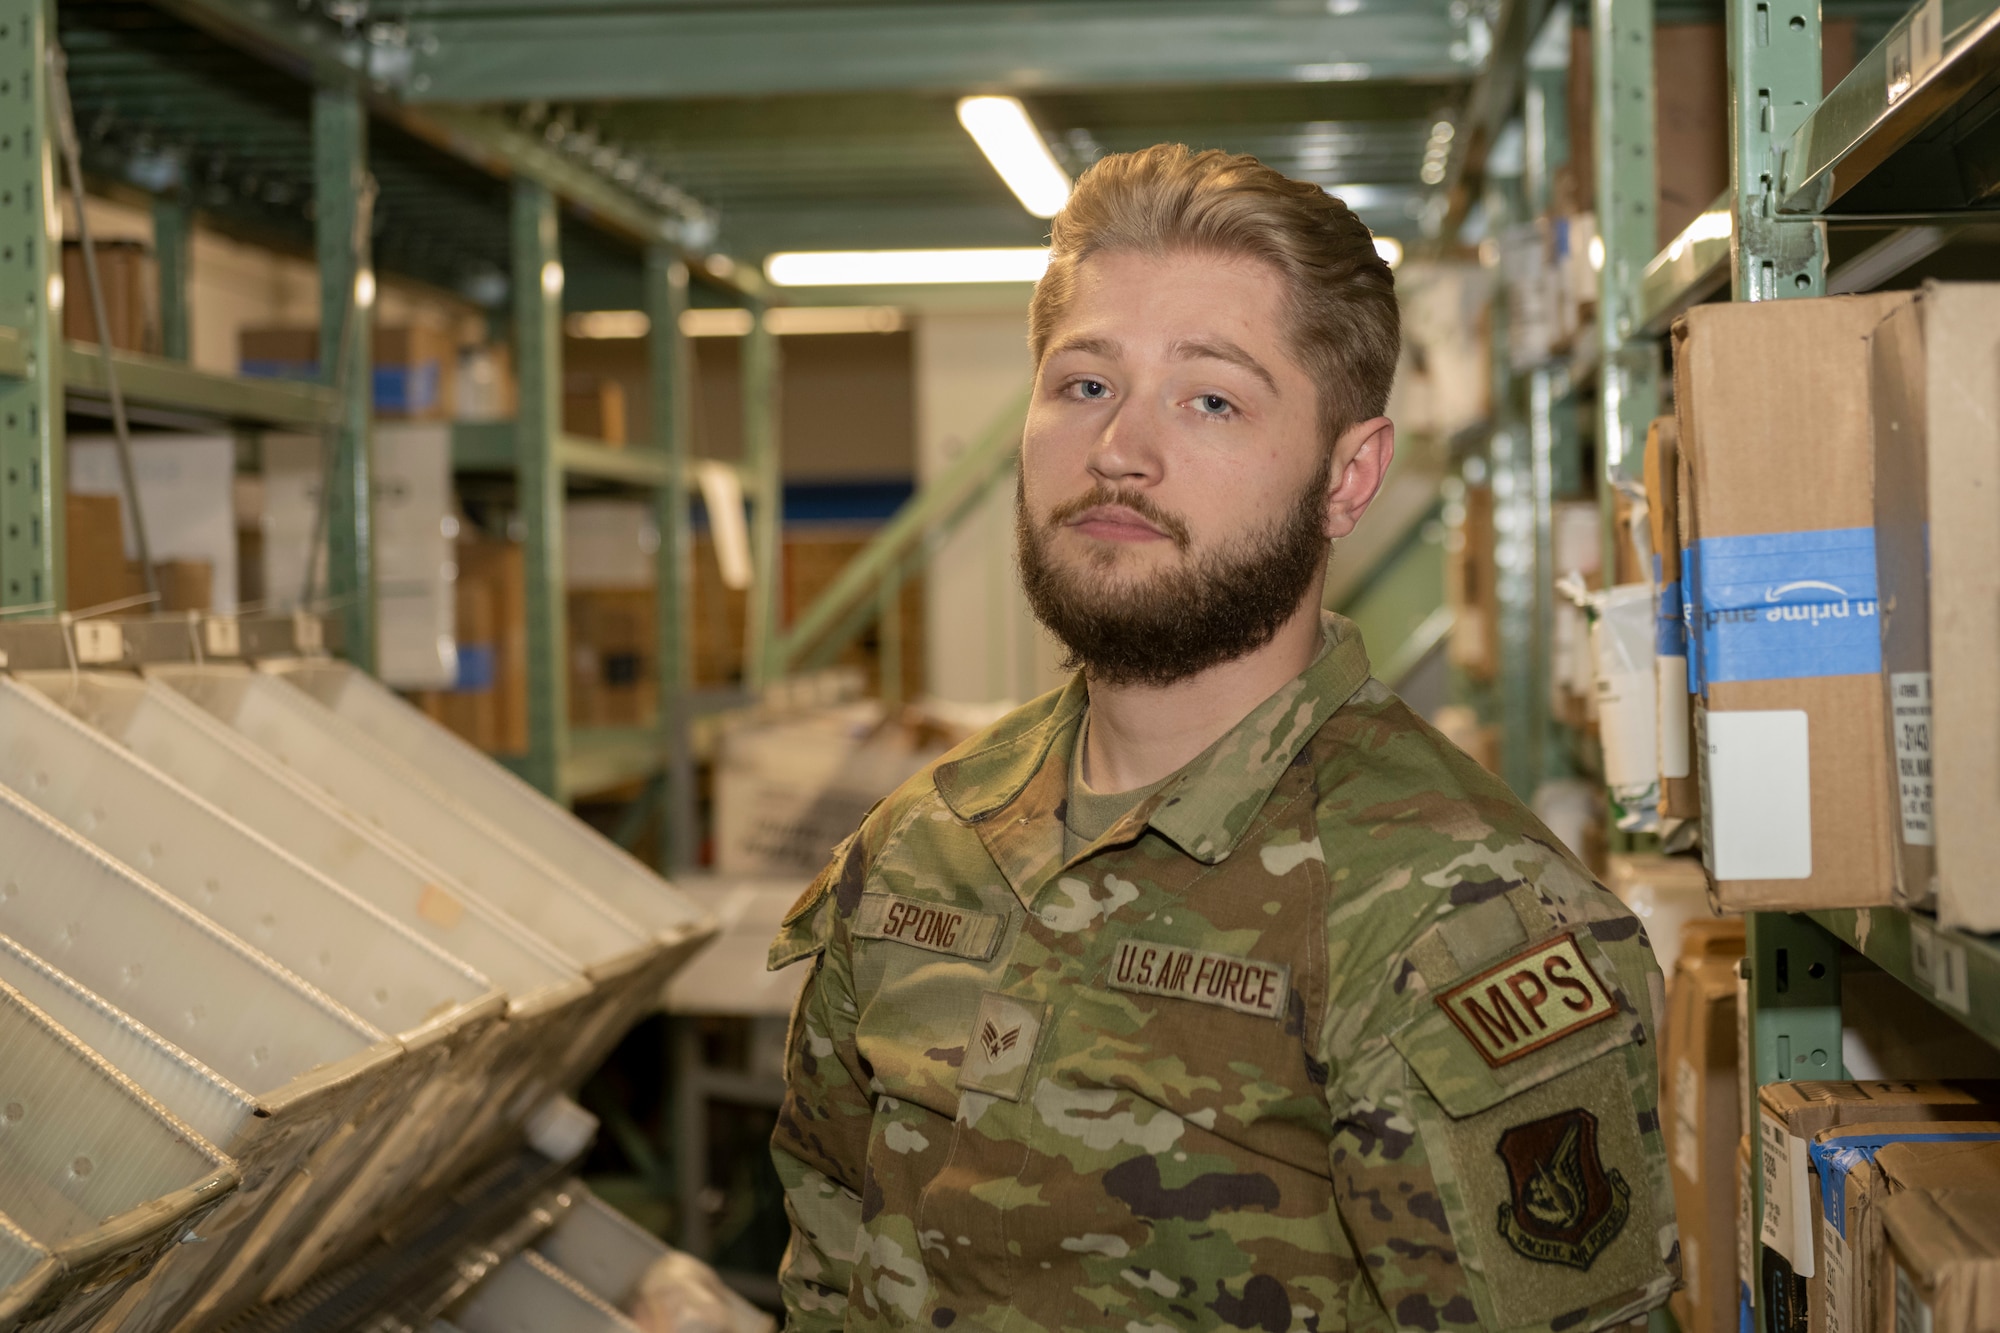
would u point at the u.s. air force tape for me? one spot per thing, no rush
(933, 926)
(1243, 984)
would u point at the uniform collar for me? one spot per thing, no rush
(1205, 810)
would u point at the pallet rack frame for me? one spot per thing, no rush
(1793, 154)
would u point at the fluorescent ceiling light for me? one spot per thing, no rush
(1001, 128)
(734, 322)
(608, 324)
(1390, 249)
(889, 268)
(723, 322)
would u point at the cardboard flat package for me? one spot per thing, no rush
(1790, 1116)
(1774, 411)
(1937, 442)
(594, 408)
(1703, 1125)
(131, 295)
(1680, 793)
(1472, 588)
(1858, 1168)
(414, 374)
(1941, 1269)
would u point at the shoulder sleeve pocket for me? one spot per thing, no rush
(1543, 1127)
(809, 922)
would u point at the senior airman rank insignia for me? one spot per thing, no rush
(1566, 1207)
(1538, 996)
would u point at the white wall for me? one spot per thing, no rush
(983, 646)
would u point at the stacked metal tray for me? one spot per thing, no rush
(348, 978)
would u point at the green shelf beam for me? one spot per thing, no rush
(1958, 973)
(520, 51)
(762, 483)
(1939, 54)
(31, 398)
(488, 446)
(173, 236)
(152, 381)
(670, 368)
(1693, 267)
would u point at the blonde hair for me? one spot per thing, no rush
(1345, 326)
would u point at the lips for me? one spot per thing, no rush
(1115, 523)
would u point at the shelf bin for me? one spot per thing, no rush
(435, 1006)
(528, 1294)
(548, 999)
(625, 960)
(601, 1248)
(532, 818)
(252, 1058)
(92, 1171)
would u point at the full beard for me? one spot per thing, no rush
(1213, 608)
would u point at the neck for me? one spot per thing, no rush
(1139, 734)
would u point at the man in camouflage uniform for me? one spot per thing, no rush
(1214, 990)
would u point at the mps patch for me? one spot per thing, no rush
(1539, 996)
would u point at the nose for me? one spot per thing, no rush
(1125, 452)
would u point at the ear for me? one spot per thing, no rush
(1361, 459)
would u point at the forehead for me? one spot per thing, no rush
(1148, 303)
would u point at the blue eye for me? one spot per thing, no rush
(1092, 388)
(1213, 403)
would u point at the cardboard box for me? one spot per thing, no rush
(502, 568)
(131, 295)
(187, 486)
(414, 374)
(1667, 894)
(1703, 1125)
(1937, 437)
(1691, 79)
(1789, 1117)
(1472, 588)
(1746, 1231)
(613, 656)
(610, 544)
(594, 407)
(1775, 416)
(94, 552)
(1680, 792)
(1941, 1273)
(1858, 1168)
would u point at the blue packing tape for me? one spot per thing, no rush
(1784, 606)
(1835, 1159)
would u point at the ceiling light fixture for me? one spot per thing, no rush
(1001, 128)
(791, 320)
(607, 324)
(891, 268)
(1390, 249)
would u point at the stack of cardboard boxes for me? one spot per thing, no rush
(1837, 464)
(1825, 491)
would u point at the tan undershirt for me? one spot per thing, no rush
(1089, 815)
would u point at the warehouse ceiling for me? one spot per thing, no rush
(750, 126)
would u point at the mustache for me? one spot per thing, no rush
(1172, 524)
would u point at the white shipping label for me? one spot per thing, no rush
(1687, 1122)
(221, 636)
(1787, 1221)
(1759, 781)
(1910, 725)
(1940, 961)
(1841, 1302)
(1914, 49)
(98, 643)
(1672, 726)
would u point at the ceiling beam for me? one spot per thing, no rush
(512, 51)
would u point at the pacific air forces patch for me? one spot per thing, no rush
(1566, 1207)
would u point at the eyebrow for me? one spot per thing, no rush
(1221, 349)
(1094, 346)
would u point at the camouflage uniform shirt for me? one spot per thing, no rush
(1327, 1033)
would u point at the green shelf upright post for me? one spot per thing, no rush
(1774, 77)
(670, 366)
(173, 237)
(1627, 221)
(537, 292)
(340, 164)
(761, 464)
(31, 407)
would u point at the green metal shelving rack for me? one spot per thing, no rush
(40, 375)
(1799, 160)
